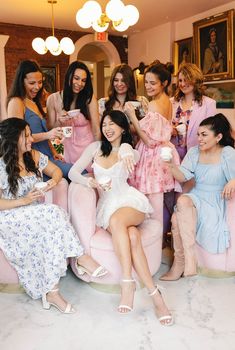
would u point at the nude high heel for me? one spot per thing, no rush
(46, 304)
(165, 320)
(125, 306)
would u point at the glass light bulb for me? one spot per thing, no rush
(82, 19)
(122, 26)
(39, 46)
(115, 9)
(99, 28)
(56, 52)
(67, 45)
(131, 14)
(52, 43)
(93, 10)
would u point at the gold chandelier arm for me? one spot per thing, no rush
(52, 2)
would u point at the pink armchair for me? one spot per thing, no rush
(220, 265)
(8, 275)
(98, 242)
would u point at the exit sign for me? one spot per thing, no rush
(103, 37)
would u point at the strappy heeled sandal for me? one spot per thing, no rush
(99, 272)
(166, 320)
(46, 304)
(124, 306)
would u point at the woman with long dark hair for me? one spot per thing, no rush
(76, 97)
(35, 237)
(121, 208)
(201, 213)
(24, 101)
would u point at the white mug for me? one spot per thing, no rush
(181, 128)
(67, 131)
(166, 153)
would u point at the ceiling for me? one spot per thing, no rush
(152, 12)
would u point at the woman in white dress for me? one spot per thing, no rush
(35, 237)
(121, 208)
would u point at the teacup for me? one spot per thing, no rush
(166, 153)
(181, 128)
(135, 104)
(73, 113)
(40, 186)
(105, 183)
(67, 131)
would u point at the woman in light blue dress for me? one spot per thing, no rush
(201, 214)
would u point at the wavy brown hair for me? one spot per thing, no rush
(10, 131)
(194, 76)
(129, 80)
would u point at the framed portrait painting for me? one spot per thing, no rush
(182, 52)
(51, 78)
(214, 46)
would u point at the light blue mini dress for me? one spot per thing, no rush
(212, 229)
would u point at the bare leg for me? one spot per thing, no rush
(141, 266)
(54, 298)
(118, 227)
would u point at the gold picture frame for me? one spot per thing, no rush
(214, 46)
(51, 78)
(182, 52)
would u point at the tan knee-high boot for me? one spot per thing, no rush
(187, 220)
(177, 268)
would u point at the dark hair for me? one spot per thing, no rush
(10, 131)
(219, 124)
(18, 88)
(129, 80)
(120, 119)
(162, 71)
(84, 96)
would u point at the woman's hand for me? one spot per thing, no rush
(229, 189)
(55, 133)
(129, 110)
(32, 196)
(92, 183)
(50, 184)
(129, 162)
(58, 156)
(63, 118)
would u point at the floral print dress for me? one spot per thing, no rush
(37, 238)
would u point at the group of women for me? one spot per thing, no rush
(121, 141)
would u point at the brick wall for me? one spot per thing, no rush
(19, 47)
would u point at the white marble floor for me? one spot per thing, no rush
(204, 311)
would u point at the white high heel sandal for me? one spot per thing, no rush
(166, 320)
(46, 304)
(124, 306)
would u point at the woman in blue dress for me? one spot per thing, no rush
(24, 101)
(200, 214)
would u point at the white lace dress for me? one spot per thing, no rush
(121, 193)
(36, 239)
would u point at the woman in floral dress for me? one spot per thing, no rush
(36, 238)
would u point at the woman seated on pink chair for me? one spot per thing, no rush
(36, 238)
(201, 214)
(121, 208)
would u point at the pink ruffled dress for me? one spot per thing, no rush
(151, 175)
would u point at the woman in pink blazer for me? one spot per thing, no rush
(190, 107)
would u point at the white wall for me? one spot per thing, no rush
(157, 42)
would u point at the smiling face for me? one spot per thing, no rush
(153, 85)
(207, 139)
(79, 80)
(185, 86)
(25, 141)
(112, 131)
(32, 84)
(119, 84)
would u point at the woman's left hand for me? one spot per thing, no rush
(58, 156)
(229, 189)
(50, 184)
(129, 163)
(129, 110)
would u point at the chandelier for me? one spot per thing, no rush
(52, 43)
(121, 16)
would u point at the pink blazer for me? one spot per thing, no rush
(199, 113)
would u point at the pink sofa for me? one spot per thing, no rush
(59, 196)
(98, 242)
(220, 265)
